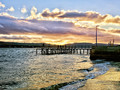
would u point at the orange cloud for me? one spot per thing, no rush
(113, 19)
(74, 16)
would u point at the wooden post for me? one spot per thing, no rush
(36, 52)
(80, 51)
(83, 51)
(87, 51)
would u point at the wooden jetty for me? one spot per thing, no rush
(62, 50)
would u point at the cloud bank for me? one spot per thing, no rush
(76, 15)
(59, 27)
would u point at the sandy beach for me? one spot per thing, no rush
(108, 81)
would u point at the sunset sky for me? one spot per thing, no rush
(59, 21)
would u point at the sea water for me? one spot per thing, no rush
(21, 68)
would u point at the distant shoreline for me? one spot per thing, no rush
(37, 45)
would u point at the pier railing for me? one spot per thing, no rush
(63, 50)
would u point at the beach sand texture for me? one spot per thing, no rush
(108, 81)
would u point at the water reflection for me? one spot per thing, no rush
(26, 70)
(54, 69)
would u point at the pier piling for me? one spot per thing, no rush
(62, 50)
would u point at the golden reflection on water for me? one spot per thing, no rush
(54, 69)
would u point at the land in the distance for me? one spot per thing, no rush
(34, 45)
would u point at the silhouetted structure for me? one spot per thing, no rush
(105, 52)
(63, 50)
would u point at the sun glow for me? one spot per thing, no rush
(61, 43)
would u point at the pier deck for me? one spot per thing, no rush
(73, 50)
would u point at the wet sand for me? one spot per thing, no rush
(108, 81)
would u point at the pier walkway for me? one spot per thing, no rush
(63, 50)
